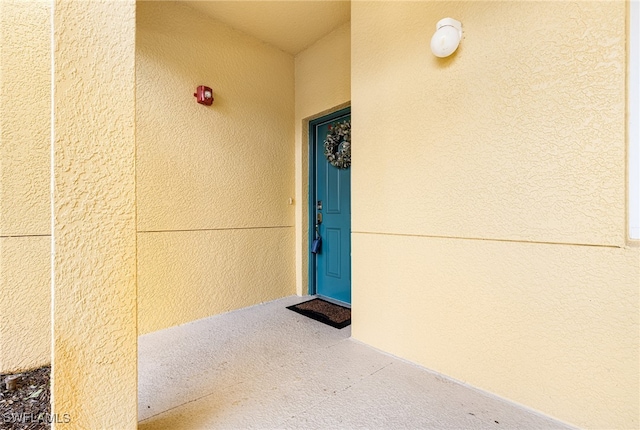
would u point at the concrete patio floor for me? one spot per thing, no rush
(266, 367)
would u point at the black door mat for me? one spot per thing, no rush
(321, 310)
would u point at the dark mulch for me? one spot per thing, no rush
(26, 407)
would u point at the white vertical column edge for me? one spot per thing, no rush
(634, 120)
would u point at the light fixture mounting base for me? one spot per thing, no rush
(444, 22)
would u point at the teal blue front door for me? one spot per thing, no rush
(330, 209)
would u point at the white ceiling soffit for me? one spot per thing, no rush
(289, 25)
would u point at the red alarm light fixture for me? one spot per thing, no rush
(204, 95)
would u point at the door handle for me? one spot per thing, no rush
(318, 218)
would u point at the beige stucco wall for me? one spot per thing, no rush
(25, 291)
(489, 201)
(94, 381)
(215, 228)
(323, 83)
(25, 69)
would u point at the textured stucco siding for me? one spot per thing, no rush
(94, 379)
(519, 136)
(25, 297)
(489, 201)
(210, 272)
(552, 327)
(212, 182)
(25, 111)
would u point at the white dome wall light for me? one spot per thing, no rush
(447, 37)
